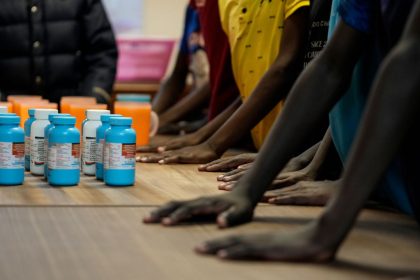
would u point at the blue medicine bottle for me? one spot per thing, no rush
(120, 153)
(12, 151)
(27, 127)
(64, 152)
(100, 143)
(47, 131)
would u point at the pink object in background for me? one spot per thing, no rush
(143, 59)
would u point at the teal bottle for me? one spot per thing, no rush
(12, 151)
(120, 153)
(64, 153)
(47, 131)
(100, 143)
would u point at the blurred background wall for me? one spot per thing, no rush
(147, 18)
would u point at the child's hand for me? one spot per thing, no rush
(195, 154)
(231, 209)
(226, 164)
(162, 145)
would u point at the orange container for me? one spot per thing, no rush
(24, 107)
(16, 99)
(66, 101)
(79, 112)
(9, 106)
(18, 105)
(140, 113)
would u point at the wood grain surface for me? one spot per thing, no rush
(112, 243)
(155, 185)
(95, 232)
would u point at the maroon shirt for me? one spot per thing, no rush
(222, 83)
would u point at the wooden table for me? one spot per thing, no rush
(95, 232)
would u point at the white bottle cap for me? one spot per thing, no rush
(42, 114)
(3, 110)
(95, 115)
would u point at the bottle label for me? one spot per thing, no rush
(120, 156)
(27, 147)
(89, 150)
(106, 156)
(46, 149)
(100, 151)
(38, 152)
(64, 156)
(12, 155)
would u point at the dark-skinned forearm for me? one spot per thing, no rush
(322, 152)
(305, 108)
(192, 101)
(173, 87)
(211, 127)
(393, 106)
(275, 86)
(272, 88)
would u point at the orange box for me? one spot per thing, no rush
(79, 112)
(24, 107)
(19, 103)
(66, 101)
(140, 113)
(9, 106)
(15, 99)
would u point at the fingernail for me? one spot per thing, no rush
(161, 161)
(167, 222)
(220, 177)
(143, 158)
(222, 254)
(161, 149)
(221, 222)
(201, 249)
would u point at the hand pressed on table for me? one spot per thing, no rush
(309, 244)
(195, 154)
(305, 193)
(231, 209)
(161, 145)
(228, 163)
(284, 179)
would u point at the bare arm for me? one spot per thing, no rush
(172, 88)
(305, 108)
(272, 88)
(190, 139)
(393, 104)
(192, 101)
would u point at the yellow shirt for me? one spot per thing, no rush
(255, 29)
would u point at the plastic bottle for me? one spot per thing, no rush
(89, 140)
(38, 153)
(100, 143)
(46, 133)
(120, 153)
(27, 127)
(12, 151)
(64, 152)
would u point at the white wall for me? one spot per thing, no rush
(163, 18)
